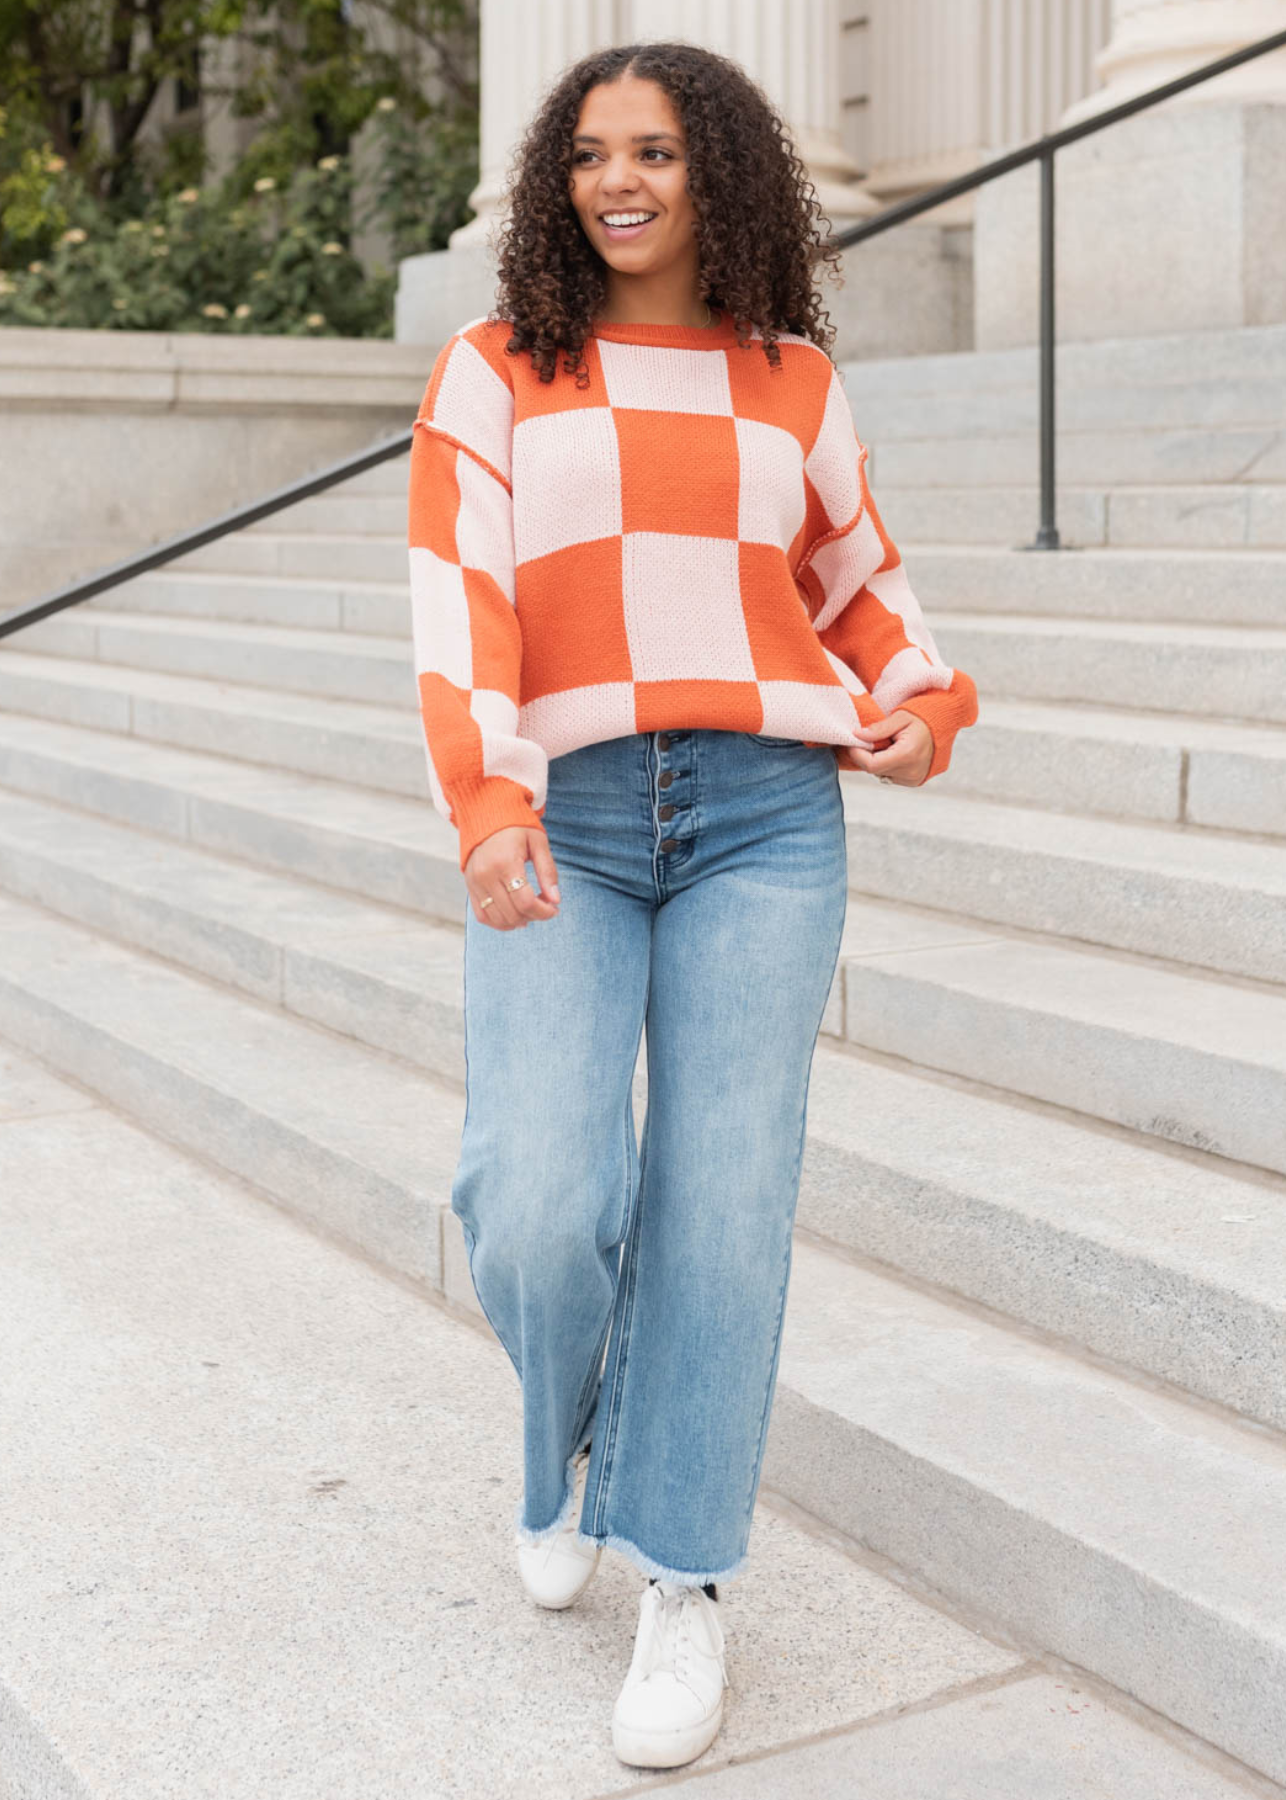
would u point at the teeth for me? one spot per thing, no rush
(626, 218)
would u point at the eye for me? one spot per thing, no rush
(650, 150)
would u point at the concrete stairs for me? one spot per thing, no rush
(1037, 1323)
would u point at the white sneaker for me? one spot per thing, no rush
(671, 1705)
(557, 1571)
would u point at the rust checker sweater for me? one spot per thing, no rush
(688, 541)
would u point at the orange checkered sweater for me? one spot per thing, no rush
(688, 541)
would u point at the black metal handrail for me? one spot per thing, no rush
(1040, 150)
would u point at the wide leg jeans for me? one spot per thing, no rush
(640, 1290)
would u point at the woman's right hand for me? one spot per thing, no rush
(494, 861)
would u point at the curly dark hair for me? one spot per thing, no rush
(757, 211)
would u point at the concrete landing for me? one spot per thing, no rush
(255, 1542)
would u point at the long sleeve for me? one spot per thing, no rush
(864, 609)
(483, 774)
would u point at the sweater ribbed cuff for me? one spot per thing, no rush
(481, 807)
(945, 711)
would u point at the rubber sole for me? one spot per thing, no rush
(666, 1749)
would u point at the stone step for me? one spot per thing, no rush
(329, 555)
(1206, 899)
(1160, 767)
(375, 608)
(1094, 406)
(1154, 766)
(1163, 1269)
(926, 1431)
(380, 747)
(342, 665)
(305, 1409)
(1212, 899)
(1219, 515)
(1146, 1045)
(1237, 673)
(1174, 587)
(1065, 1499)
(1183, 453)
(342, 508)
(1235, 353)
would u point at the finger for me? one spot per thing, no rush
(543, 858)
(501, 914)
(527, 903)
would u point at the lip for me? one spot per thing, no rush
(623, 233)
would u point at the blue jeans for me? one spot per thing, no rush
(703, 881)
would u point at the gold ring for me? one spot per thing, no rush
(489, 900)
(517, 882)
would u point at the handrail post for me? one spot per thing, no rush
(1047, 536)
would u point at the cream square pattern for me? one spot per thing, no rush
(440, 618)
(844, 566)
(568, 469)
(832, 463)
(579, 715)
(474, 405)
(770, 502)
(809, 710)
(683, 613)
(659, 379)
(484, 529)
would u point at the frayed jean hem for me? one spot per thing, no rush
(663, 1571)
(541, 1534)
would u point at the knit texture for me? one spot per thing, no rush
(689, 541)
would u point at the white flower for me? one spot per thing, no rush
(158, 231)
(241, 312)
(387, 104)
(6, 286)
(34, 268)
(265, 184)
(215, 311)
(315, 319)
(332, 249)
(74, 236)
(329, 162)
(188, 195)
(56, 164)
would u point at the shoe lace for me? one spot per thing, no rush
(674, 1609)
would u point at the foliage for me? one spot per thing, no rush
(101, 226)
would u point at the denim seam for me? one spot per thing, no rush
(624, 1300)
(748, 1507)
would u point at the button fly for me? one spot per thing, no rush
(665, 812)
(665, 778)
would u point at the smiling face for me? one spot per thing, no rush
(629, 158)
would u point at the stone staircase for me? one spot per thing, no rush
(1036, 1340)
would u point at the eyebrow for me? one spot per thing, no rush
(643, 137)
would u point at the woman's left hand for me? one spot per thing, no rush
(904, 760)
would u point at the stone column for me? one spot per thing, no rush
(1169, 221)
(791, 48)
(524, 47)
(1153, 41)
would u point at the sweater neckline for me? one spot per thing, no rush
(696, 337)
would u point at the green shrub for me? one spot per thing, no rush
(273, 259)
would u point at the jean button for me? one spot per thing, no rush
(669, 843)
(663, 742)
(666, 812)
(665, 779)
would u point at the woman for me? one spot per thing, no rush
(655, 612)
